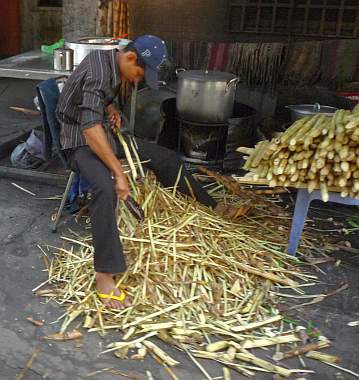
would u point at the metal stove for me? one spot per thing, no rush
(202, 143)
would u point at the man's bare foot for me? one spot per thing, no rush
(105, 284)
(230, 211)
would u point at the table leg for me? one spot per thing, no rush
(299, 217)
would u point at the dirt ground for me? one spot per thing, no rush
(25, 225)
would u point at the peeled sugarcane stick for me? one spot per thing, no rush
(221, 357)
(355, 187)
(262, 171)
(311, 123)
(128, 155)
(353, 124)
(316, 131)
(226, 374)
(245, 150)
(257, 155)
(324, 192)
(355, 110)
(269, 276)
(313, 128)
(351, 155)
(149, 375)
(271, 148)
(323, 357)
(160, 353)
(344, 166)
(337, 118)
(282, 166)
(331, 154)
(286, 136)
(255, 325)
(250, 358)
(217, 346)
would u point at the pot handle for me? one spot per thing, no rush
(233, 81)
(180, 70)
(317, 107)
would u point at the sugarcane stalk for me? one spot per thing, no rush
(301, 350)
(249, 358)
(326, 358)
(128, 155)
(160, 353)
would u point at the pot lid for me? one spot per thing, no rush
(206, 76)
(100, 41)
(309, 109)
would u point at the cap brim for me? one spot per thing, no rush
(151, 77)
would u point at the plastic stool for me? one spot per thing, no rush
(301, 210)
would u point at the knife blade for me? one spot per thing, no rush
(135, 209)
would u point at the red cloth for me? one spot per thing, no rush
(218, 56)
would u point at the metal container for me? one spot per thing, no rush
(206, 96)
(302, 110)
(63, 59)
(84, 46)
(149, 117)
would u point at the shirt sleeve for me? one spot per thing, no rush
(94, 90)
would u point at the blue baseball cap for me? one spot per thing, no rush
(153, 52)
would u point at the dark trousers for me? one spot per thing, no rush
(166, 165)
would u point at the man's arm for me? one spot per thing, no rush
(97, 140)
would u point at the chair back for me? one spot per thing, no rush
(48, 95)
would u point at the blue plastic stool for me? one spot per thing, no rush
(301, 210)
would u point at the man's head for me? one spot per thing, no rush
(142, 58)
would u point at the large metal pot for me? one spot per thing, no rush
(302, 110)
(84, 46)
(205, 96)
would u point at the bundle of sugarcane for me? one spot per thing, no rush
(193, 278)
(316, 152)
(113, 18)
(121, 19)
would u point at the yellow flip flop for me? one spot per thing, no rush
(121, 298)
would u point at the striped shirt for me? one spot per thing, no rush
(86, 94)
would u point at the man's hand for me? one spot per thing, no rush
(96, 138)
(114, 118)
(121, 186)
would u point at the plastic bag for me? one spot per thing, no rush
(29, 155)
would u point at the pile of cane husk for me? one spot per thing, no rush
(208, 286)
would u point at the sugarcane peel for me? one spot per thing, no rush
(193, 277)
